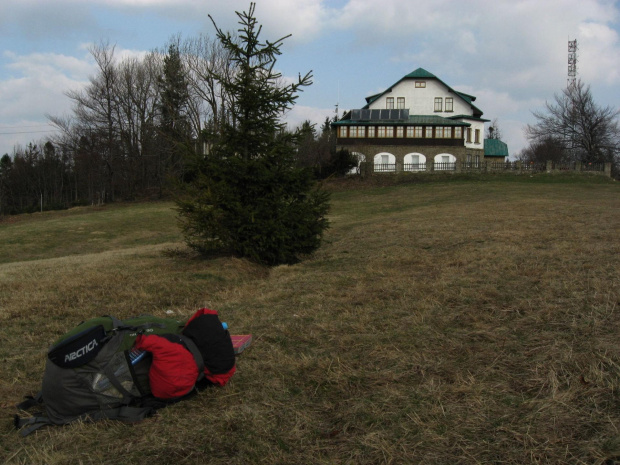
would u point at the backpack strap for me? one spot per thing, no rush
(30, 401)
(32, 423)
(193, 348)
(109, 372)
(123, 413)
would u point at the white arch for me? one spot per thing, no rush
(385, 161)
(444, 161)
(414, 161)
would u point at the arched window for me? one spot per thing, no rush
(385, 161)
(414, 162)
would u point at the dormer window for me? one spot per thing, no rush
(449, 104)
(438, 103)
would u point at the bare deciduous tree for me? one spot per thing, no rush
(587, 131)
(207, 62)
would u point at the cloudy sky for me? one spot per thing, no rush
(512, 55)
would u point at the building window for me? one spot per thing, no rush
(418, 132)
(442, 132)
(477, 141)
(438, 103)
(342, 131)
(458, 133)
(409, 131)
(353, 131)
(381, 131)
(428, 133)
(400, 130)
(449, 104)
(371, 131)
(389, 103)
(400, 103)
(468, 134)
(420, 84)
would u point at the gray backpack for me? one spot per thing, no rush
(93, 373)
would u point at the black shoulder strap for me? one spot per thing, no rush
(191, 345)
(124, 413)
(33, 423)
(30, 401)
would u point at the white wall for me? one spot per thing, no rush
(421, 101)
(474, 125)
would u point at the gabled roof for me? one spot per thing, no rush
(421, 73)
(495, 148)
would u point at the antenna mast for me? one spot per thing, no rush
(572, 63)
(571, 85)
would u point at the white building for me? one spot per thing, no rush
(417, 120)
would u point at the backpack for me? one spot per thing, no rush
(125, 370)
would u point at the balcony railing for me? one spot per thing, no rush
(445, 166)
(414, 167)
(385, 167)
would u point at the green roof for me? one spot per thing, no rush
(475, 118)
(433, 120)
(495, 148)
(468, 98)
(421, 73)
(419, 120)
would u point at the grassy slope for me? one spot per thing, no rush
(465, 322)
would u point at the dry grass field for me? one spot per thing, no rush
(463, 322)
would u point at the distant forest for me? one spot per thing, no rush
(136, 129)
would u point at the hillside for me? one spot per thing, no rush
(461, 322)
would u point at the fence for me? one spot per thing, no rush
(385, 167)
(490, 166)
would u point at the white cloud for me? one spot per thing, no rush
(598, 57)
(36, 87)
(519, 44)
(299, 113)
(40, 83)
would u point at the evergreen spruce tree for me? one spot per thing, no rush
(249, 197)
